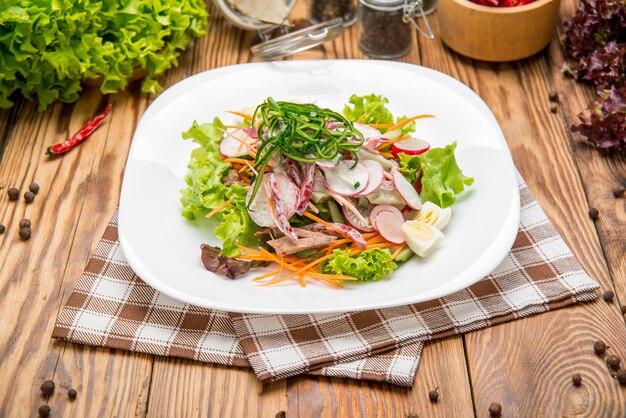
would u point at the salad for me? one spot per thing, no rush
(319, 194)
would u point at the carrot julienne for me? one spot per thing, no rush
(323, 222)
(243, 115)
(219, 208)
(397, 251)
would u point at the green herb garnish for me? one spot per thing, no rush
(300, 132)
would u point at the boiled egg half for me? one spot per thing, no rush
(421, 237)
(433, 215)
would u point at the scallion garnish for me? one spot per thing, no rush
(301, 132)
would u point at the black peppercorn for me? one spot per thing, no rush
(613, 362)
(553, 108)
(2, 229)
(623, 309)
(47, 387)
(34, 187)
(495, 409)
(553, 96)
(621, 377)
(433, 395)
(25, 223)
(25, 234)
(383, 33)
(618, 192)
(29, 197)
(280, 414)
(13, 193)
(593, 213)
(599, 347)
(44, 410)
(577, 379)
(72, 393)
(608, 296)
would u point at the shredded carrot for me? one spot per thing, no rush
(235, 126)
(236, 160)
(400, 125)
(385, 154)
(381, 245)
(370, 234)
(380, 125)
(219, 207)
(397, 251)
(312, 207)
(271, 273)
(243, 115)
(375, 240)
(250, 149)
(302, 281)
(363, 116)
(323, 222)
(246, 249)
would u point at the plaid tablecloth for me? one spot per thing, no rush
(111, 307)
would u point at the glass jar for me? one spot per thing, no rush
(383, 33)
(324, 10)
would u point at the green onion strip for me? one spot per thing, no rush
(299, 131)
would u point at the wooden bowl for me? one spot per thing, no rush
(497, 33)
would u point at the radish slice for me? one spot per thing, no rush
(346, 180)
(389, 226)
(409, 146)
(332, 163)
(406, 190)
(235, 143)
(384, 162)
(376, 175)
(355, 215)
(379, 208)
(372, 137)
(260, 209)
(386, 194)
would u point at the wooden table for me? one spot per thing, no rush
(525, 365)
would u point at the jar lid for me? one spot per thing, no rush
(245, 22)
(299, 40)
(384, 5)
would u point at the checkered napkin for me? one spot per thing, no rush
(111, 307)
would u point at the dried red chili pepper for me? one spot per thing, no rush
(80, 136)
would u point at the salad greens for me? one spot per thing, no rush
(47, 48)
(206, 190)
(371, 264)
(372, 109)
(442, 179)
(320, 192)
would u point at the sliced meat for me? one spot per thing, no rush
(306, 187)
(223, 265)
(307, 240)
(345, 231)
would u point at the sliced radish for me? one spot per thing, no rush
(372, 137)
(346, 180)
(409, 146)
(235, 143)
(406, 190)
(379, 208)
(386, 194)
(384, 162)
(329, 163)
(389, 226)
(357, 216)
(260, 209)
(376, 175)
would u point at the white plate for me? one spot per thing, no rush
(164, 249)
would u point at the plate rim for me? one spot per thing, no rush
(142, 272)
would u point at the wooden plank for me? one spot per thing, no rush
(36, 274)
(600, 174)
(532, 376)
(443, 365)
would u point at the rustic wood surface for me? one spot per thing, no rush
(525, 365)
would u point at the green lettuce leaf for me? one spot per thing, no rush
(369, 265)
(47, 48)
(371, 109)
(442, 179)
(205, 189)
